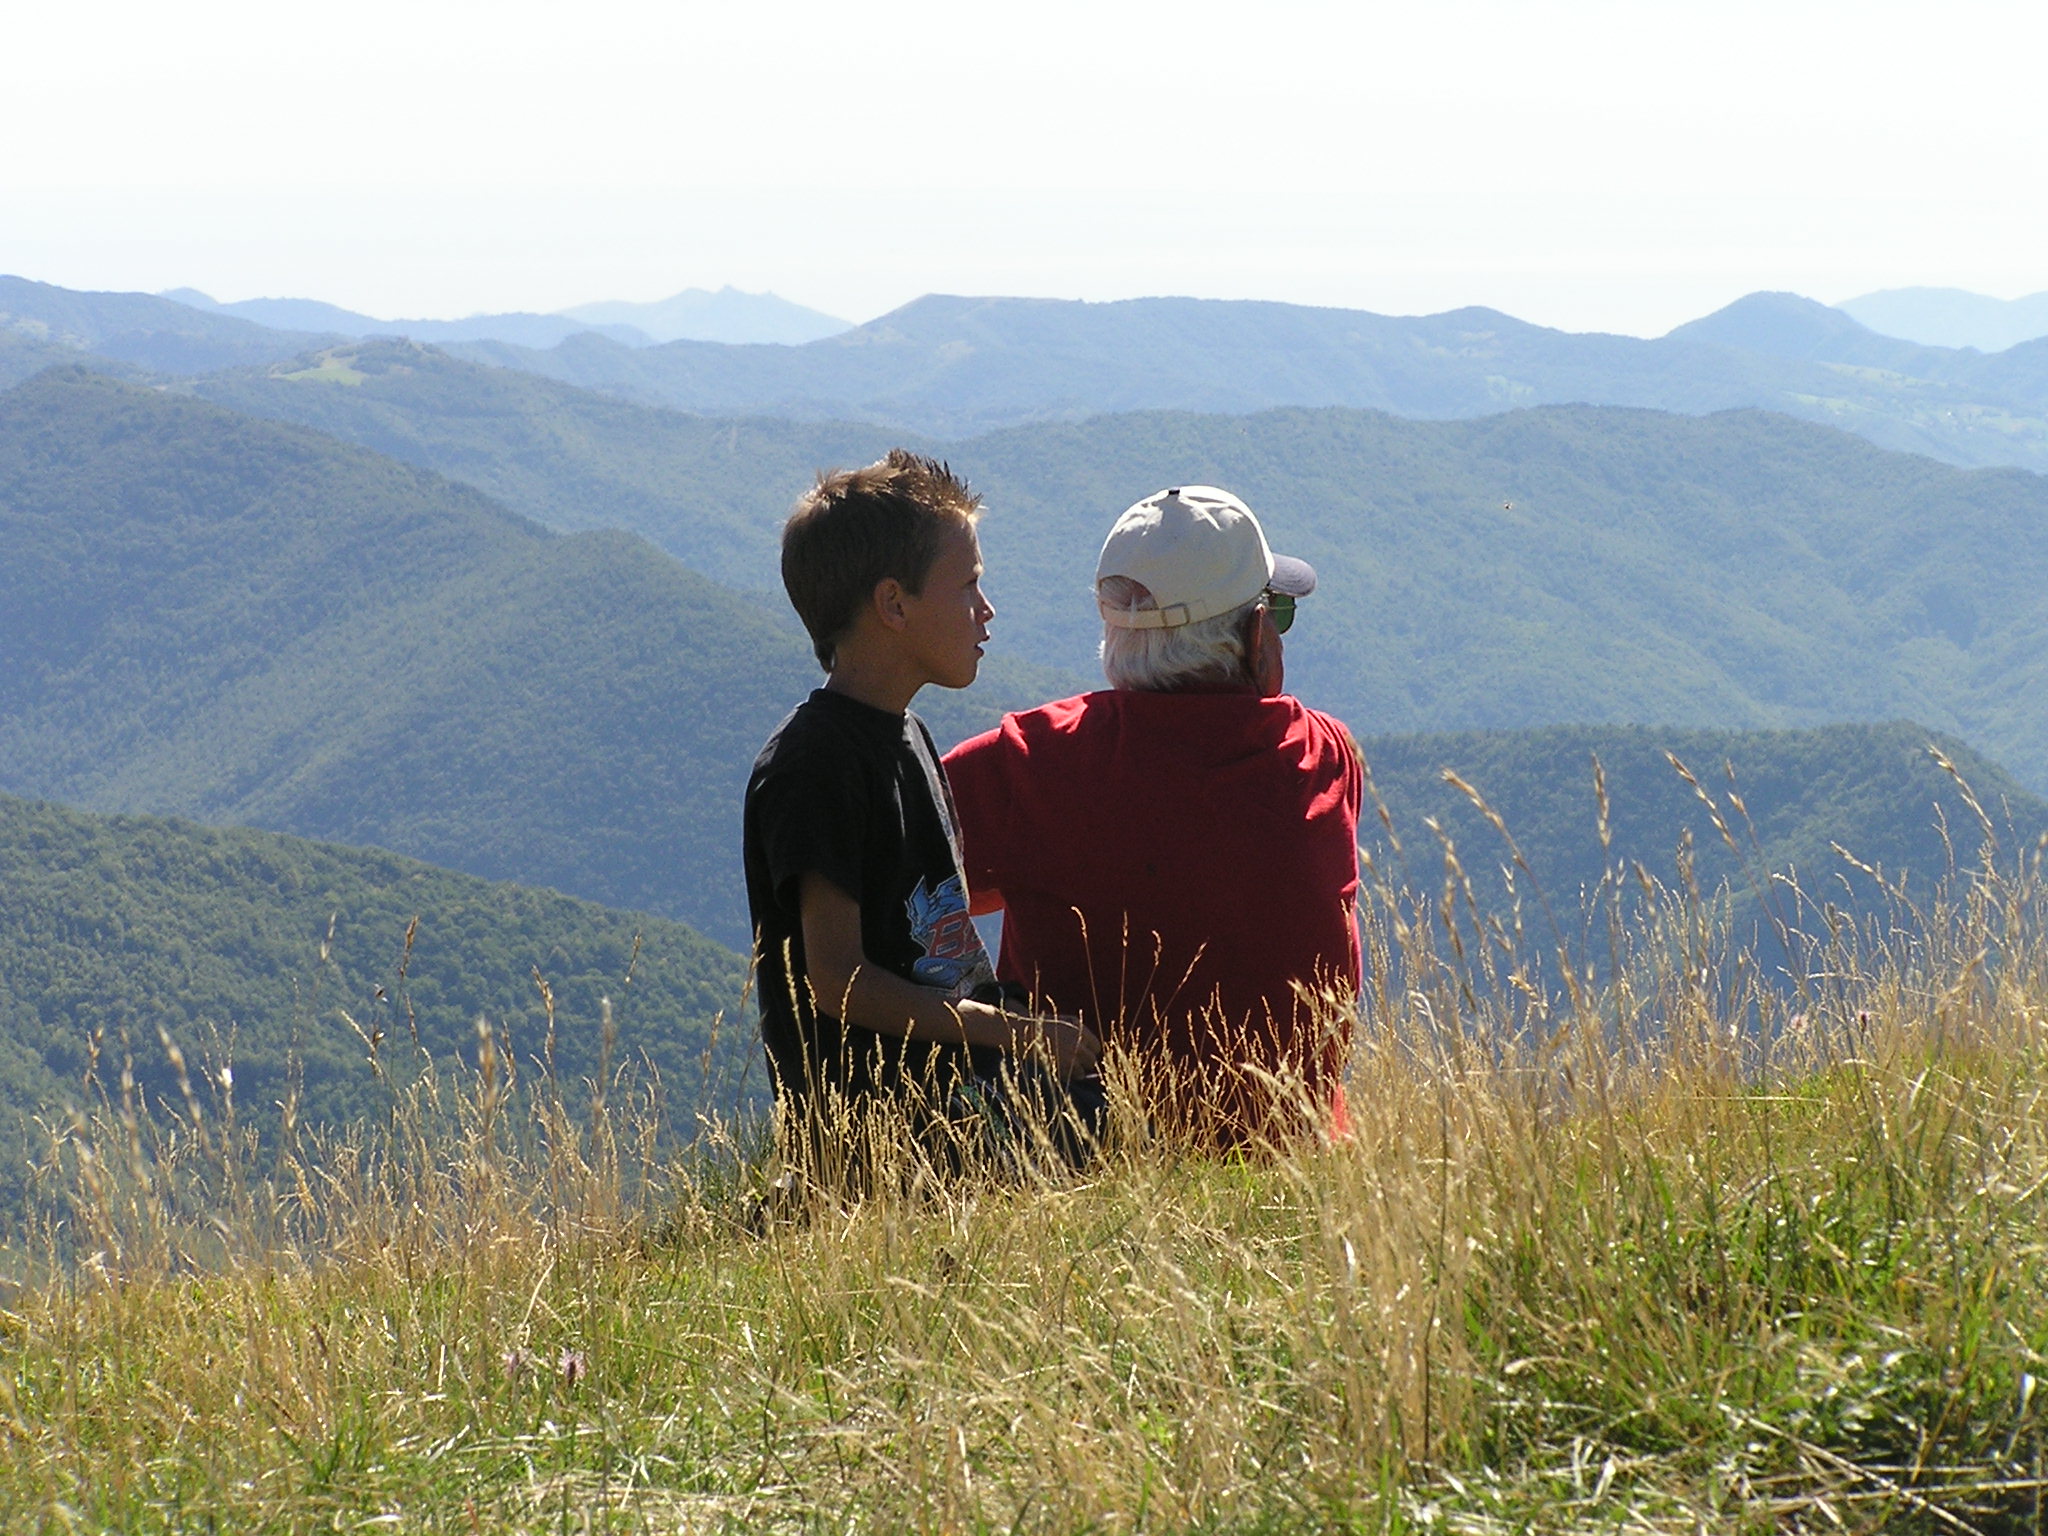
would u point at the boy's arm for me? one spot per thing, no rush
(855, 992)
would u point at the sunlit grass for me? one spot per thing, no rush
(1713, 1237)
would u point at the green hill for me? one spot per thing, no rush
(256, 950)
(1874, 790)
(207, 615)
(1564, 563)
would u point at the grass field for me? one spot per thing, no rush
(1738, 1237)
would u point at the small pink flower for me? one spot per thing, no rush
(574, 1365)
(515, 1363)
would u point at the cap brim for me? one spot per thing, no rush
(1297, 578)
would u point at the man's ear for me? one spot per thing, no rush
(1254, 644)
(887, 602)
(1264, 666)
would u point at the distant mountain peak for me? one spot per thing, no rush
(728, 314)
(1775, 322)
(1792, 326)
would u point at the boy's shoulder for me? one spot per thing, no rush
(830, 733)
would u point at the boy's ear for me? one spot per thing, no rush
(887, 602)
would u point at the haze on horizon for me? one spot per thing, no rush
(1594, 165)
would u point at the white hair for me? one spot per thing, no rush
(1203, 654)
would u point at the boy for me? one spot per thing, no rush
(864, 949)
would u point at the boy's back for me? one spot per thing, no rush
(854, 794)
(864, 951)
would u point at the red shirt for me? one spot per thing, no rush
(1178, 870)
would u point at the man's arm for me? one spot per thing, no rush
(974, 794)
(856, 992)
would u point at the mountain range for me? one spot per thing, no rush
(247, 621)
(952, 366)
(949, 366)
(1737, 570)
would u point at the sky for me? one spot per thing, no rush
(1593, 165)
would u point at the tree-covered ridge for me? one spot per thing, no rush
(1792, 801)
(1564, 563)
(209, 615)
(290, 957)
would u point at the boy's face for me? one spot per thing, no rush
(946, 625)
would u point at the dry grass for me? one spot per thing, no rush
(1705, 1237)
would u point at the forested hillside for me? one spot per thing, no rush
(285, 959)
(1788, 798)
(209, 615)
(1740, 569)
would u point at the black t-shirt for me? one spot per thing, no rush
(855, 794)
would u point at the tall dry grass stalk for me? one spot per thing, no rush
(1666, 1211)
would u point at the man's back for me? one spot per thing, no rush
(1174, 868)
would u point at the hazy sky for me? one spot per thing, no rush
(1617, 166)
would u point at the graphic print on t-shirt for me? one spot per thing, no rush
(939, 924)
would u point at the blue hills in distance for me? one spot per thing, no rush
(1952, 317)
(953, 366)
(949, 366)
(725, 315)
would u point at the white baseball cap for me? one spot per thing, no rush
(1200, 552)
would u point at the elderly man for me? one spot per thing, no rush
(1176, 859)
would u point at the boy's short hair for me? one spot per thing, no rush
(857, 527)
